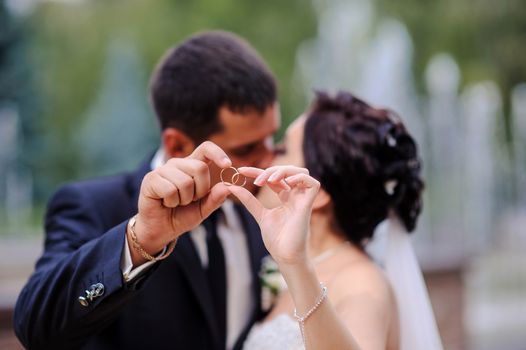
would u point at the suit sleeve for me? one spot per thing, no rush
(77, 254)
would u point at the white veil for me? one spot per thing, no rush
(392, 248)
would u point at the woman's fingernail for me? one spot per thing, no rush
(258, 181)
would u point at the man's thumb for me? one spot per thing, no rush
(213, 199)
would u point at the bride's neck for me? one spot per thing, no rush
(324, 234)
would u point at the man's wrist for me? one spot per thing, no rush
(143, 248)
(136, 257)
(129, 272)
(150, 243)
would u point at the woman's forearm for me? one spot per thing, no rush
(323, 329)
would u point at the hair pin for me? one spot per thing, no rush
(391, 141)
(390, 186)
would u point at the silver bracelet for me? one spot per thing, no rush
(301, 320)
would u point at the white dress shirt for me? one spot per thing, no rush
(237, 264)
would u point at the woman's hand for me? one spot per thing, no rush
(284, 228)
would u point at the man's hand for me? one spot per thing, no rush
(177, 197)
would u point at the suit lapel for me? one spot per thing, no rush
(186, 256)
(188, 259)
(184, 253)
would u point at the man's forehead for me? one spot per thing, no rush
(248, 126)
(227, 115)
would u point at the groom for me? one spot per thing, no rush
(107, 282)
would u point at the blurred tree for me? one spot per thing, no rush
(15, 75)
(18, 111)
(69, 46)
(119, 125)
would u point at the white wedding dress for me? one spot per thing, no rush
(282, 332)
(392, 250)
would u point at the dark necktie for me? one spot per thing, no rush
(216, 272)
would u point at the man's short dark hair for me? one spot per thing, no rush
(208, 71)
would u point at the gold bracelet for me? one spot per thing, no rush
(137, 246)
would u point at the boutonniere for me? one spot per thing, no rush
(272, 282)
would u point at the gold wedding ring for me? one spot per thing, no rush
(235, 177)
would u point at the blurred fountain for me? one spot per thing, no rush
(511, 232)
(444, 158)
(496, 279)
(373, 59)
(482, 109)
(466, 164)
(387, 77)
(355, 53)
(335, 58)
(387, 80)
(518, 105)
(442, 81)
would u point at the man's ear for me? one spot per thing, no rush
(176, 143)
(322, 200)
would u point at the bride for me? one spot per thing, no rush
(345, 167)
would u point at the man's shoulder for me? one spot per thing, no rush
(126, 182)
(107, 200)
(104, 184)
(107, 191)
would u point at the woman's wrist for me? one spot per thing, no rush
(297, 273)
(291, 260)
(293, 265)
(302, 283)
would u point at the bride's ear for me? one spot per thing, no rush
(322, 200)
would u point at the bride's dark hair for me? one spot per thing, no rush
(366, 161)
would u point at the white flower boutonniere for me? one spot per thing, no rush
(272, 282)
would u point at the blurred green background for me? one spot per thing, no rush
(74, 104)
(64, 62)
(92, 60)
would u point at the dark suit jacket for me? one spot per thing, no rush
(168, 306)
